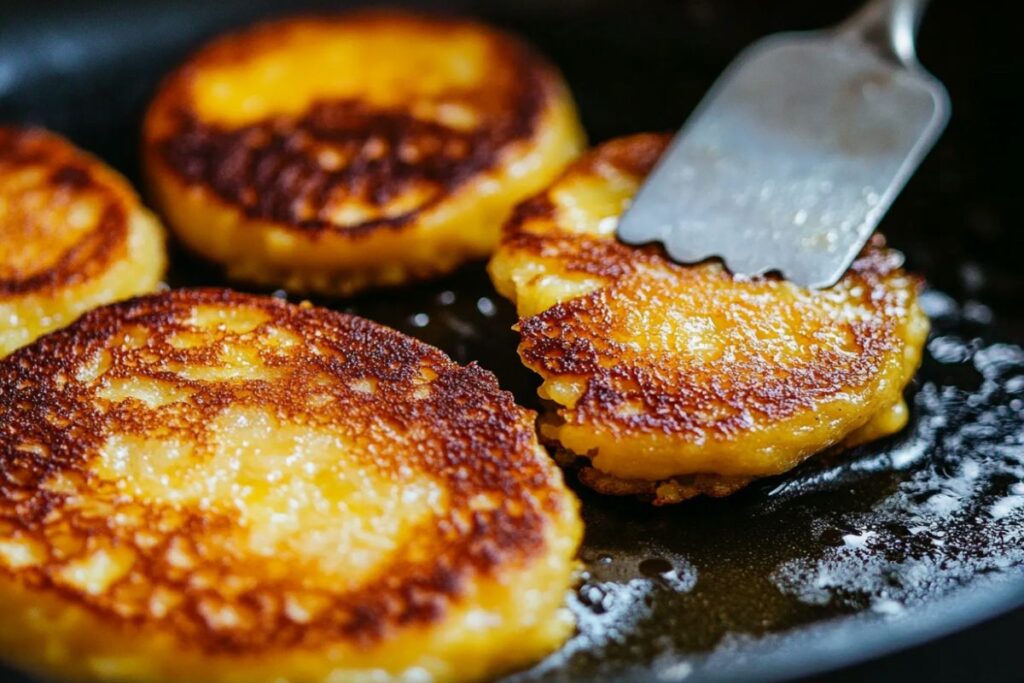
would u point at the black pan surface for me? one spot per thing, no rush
(848, 557)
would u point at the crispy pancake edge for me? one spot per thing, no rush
(589, 267)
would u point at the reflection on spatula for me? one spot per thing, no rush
(797, 152)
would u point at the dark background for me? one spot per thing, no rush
(634, 65)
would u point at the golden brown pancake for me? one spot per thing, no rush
(72, 236)
(675, 381)
(205, 485)
(371, 148)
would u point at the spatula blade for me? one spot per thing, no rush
(791, 160)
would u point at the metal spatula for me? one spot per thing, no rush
(797, 151)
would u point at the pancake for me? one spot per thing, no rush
(333, 153)
(72, 236)
(675, 381)
(205, 485)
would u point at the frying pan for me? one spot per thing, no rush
(846, 558)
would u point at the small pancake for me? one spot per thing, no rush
(72, 236)
(205, 485)
(676, 381)
(333, 153)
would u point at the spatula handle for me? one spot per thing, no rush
(888, 25)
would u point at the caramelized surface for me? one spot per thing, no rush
(204, 484)
(665, 374)
(72, 236)
(368, 148)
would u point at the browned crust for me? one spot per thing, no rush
(70, 174)
(269, 169)
(676, 399)
(714, 399)
(666, 491)
(466, 433)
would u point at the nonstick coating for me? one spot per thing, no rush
(847, 557)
